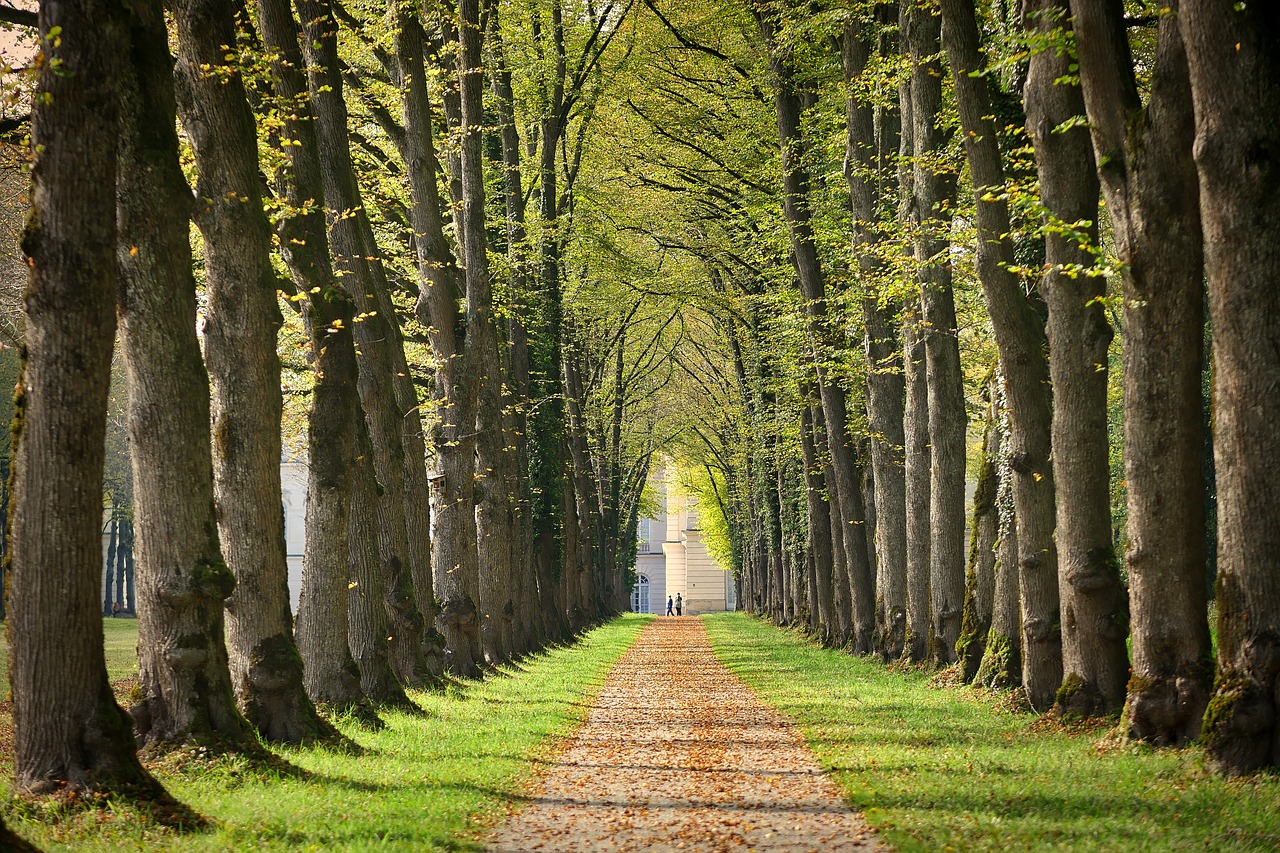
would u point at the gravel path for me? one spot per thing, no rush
(678, 754)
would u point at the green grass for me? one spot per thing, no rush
(435, 781)
(120, 644)
(936, 768)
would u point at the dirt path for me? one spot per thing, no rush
(678, 754)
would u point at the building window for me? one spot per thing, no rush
(640, 595)
(642, 537)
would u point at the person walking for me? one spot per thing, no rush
(669, 605)
(679, 604)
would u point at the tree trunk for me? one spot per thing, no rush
(1001, 666)
(1093, 608)
(375, 335)
(1148, 173)
(1021, 341)
(366, 613)
(845, 469)
(919, 631)
(329, 316)
(241, 321)
(184, 577)
(108, 597)
(934, 189)
(482, 337)
(442, 290)
(125, 593)
(68, 730)
(872, 139)
(525, 632)
(984, 533)
(1231, 53)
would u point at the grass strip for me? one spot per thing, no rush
(946, 767)
(434, 781)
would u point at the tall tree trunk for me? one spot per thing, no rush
(367, 620)
(1001, 665)
(453, 336)
(375, 335)
(872, 141)
(464, 585)
(1093, 607)
(108, 597)
(1149, 175)
(124, 573)
(934, 189)
(329, 316)
(919, 631)
(526, 634)
(68, 730)
(1021, 341)
(185, 698)
(240, 327)
(846, 472)
(1235, 83)
(984, 533)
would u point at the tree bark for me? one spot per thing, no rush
(919, 630)
(873, 137)
(68, 730)
(367, 620)
(1093, 607)
(241, 322)
(526, 633)
(1001, 666)
(1149, 175)
(984, 533)
(187, 696)
(846, 472)
(1235, 84)
(455, 340)
(329, 316)
(1020, 339)
(934, 189)
(375, 334)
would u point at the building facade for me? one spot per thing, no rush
(672, 557)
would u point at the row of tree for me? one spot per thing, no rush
(972, 198)
(526, 245)
(477, 450)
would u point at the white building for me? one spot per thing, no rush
(293, 493)
(671, 557)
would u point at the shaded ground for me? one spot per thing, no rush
(678, 754)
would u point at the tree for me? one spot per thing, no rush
(1145, 162)
(328, 312)
(1093, 605)
(442, 288)
(846, 473)
(187, 695)
(872, 139)
(933, 187)
(1235, 86)
(55, 561)
(1020, 338)
(377, 339)
(240, 328)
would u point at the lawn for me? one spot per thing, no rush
(120, 645)
(939, 768)
(430, 781)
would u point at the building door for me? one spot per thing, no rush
(640, 595)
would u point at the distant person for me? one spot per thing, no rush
(679, 604)
(669, 605)
(115, 608)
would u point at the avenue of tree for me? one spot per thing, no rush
(957, 317)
